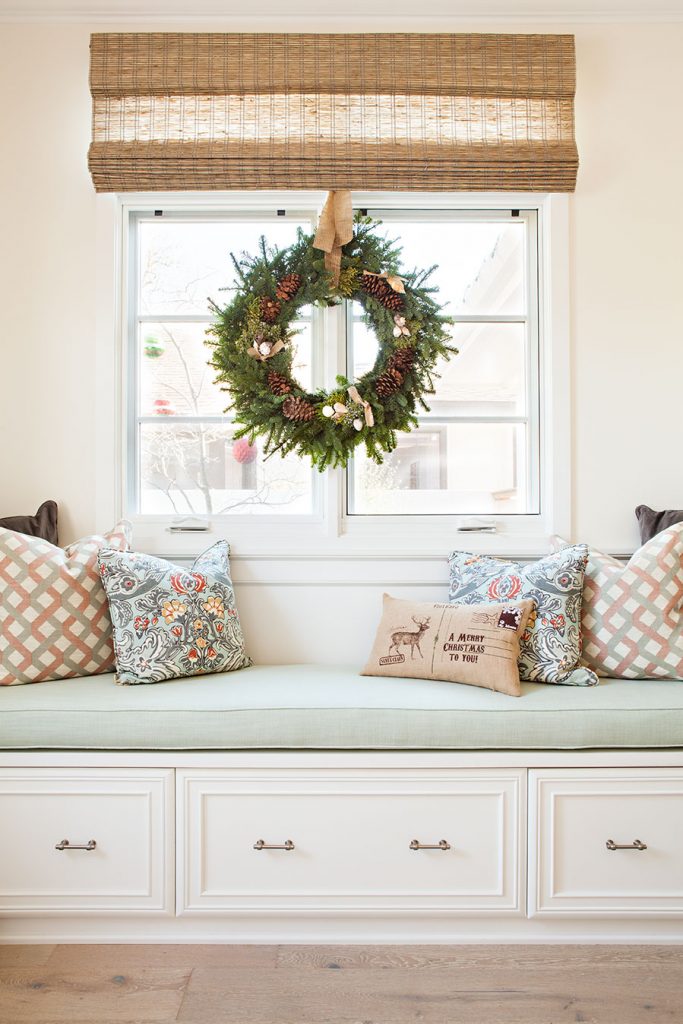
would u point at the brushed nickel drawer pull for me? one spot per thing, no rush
(441, 845)
(66, 845)
(635, 845)
(261, 844)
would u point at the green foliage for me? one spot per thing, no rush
(237, 326)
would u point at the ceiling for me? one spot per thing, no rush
(378, 10)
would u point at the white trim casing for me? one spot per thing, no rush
(329, 533)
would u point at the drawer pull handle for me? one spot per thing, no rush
(66, 845)
(635, 845)
(441, 845)
(261, 844)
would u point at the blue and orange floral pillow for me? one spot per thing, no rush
(550, 650)
(169, 621)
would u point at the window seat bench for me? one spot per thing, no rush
(304, 707)
(307, 803)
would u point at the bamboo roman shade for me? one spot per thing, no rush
(395, 112)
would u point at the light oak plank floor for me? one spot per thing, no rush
(117, 984)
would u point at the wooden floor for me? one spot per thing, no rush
(341, 985)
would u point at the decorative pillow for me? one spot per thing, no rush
(171, 621)
(453, 642)
(633, 614)
(651, 522)
(54, 619)
(43, 524)
(551, 644)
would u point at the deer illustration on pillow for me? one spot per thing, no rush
(409, 638)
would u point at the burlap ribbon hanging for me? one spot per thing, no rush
(335, 229)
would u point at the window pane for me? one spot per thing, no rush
(199, 469)
(175, 378)
(175, 375)
(486, 378)
(447, 469)
(480, 265)
(184, 262)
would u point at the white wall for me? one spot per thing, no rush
(626, 224)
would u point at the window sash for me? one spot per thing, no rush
(530, 320)
(134, 418)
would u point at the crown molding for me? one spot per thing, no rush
(369, 15)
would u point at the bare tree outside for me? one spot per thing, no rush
(189, 458)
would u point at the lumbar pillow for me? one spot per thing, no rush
(54, 619)
(633, 614)
(171, 621)
(454, 642)
(551, 644)
(651, 522)
(43, 524)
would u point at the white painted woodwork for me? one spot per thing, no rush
(128, 813)
(351, 833)
(576, 812)
(351, 876)
(305, 10)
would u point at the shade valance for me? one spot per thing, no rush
(189, 111)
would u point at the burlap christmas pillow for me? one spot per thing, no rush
(459, 643)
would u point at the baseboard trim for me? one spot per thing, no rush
(351, 930)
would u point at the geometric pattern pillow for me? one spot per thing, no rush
(54, 619)
(171, 621)
(551, 643)
(633, 614)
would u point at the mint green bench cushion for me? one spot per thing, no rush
(315, 707)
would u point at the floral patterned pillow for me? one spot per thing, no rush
(551, 643)
(171, 621)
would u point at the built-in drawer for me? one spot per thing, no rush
(75, 839)
(607, 842)
(346, 839)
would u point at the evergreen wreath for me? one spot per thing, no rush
(253, 351)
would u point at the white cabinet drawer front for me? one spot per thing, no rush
(581, 814)
(125, 816)
(351, 839)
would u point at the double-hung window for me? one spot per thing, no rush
(477, 457)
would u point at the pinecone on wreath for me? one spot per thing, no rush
(402, 359)
(278, 384)
(378, 288)
(269, 309)
(287, 288)
(295, 408)
(388, 383)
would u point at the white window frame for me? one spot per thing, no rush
(330, 532)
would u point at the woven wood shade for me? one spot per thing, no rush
(256, 111)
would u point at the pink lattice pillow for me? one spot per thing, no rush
(54, 617)
(632, 615)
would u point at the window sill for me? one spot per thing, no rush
(428, 541)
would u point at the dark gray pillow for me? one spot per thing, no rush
(651, 522)
(43, 524)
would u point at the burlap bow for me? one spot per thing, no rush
(335, 229)
(367, 408)
(338, 411)
(266, 349)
